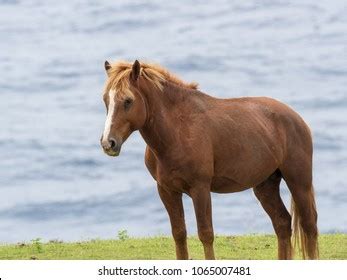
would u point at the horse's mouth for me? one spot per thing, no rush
(112, 153)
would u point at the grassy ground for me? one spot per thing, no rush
(332, 246)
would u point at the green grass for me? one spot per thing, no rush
(262, 247)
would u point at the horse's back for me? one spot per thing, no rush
(290, 125)
(268, 116)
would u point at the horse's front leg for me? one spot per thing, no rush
(174, 206)
(203, 211)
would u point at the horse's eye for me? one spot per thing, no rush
(127, 103)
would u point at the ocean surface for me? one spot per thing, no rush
(55, 181)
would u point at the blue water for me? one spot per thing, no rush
(55, 182)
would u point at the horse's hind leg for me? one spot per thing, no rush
(297, 172)
(268, 193)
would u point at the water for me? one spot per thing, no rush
(55, 182)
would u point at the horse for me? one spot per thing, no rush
(198, 144)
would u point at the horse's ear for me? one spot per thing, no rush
(107, 65)
(135, 71)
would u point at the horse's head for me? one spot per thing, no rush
(126, 110)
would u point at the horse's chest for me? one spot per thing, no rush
(175, 179)
(175, 184)
(179, 172)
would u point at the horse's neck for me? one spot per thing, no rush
(159, 130)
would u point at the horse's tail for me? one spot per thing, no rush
(299, 238)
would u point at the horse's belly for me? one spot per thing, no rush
(226, 185)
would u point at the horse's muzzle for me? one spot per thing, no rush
(111, 146)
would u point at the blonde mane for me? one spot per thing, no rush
(119, 78)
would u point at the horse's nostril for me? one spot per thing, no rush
(112, 143)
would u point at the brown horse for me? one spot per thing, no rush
(197, 144)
